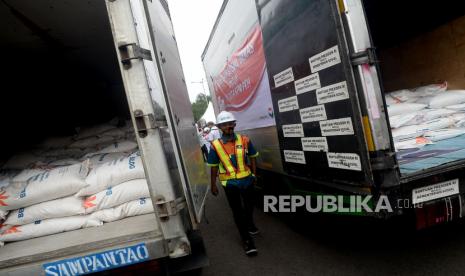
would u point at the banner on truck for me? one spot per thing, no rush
(242, 86)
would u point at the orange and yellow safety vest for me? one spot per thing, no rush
(227, 170)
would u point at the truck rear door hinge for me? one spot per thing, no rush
(365, 57)
(165, 209)
(142, 126)
(132, 51)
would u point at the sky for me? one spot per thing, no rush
(193, 22)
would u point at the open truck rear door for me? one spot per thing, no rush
(182, 126)
(322, 131)
(161, 113)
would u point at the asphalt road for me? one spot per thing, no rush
(330, 245)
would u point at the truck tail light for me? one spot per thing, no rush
(437, 212)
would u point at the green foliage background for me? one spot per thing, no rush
(200, 105)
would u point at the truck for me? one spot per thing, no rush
(78, 63)
(307, 82)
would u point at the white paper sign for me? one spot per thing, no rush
(332, 93)
(337, 127)
(288, 104)
(295, 130)
(308, 83)
(315, 144)
(283, 77)
(345, 161)
(325, 59)
(294, 156)
(435, 191)
(313, 114)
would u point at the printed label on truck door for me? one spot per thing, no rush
(337, 127)
(283, 77)
(345, 161)
(325, 59)
(99, 261)
(294, 156)
(308, 83)
(332, 93)
(313, 114)
(288, 104)
(294, 130)
(435, 191)
(314, 144)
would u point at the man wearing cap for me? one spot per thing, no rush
(232, 158)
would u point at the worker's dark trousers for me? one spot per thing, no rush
(241, 202)
(204, 152)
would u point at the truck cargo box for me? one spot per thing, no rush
(330, 65)
(71, 65)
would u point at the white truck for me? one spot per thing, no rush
(71, 63)
(307, 81)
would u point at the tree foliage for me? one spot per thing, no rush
(200, 105)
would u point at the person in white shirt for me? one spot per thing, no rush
(214, 132)
(204, 143)
(206, 131)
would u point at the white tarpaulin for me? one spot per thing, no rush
(209, 115)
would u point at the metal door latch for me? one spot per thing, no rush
(132, 51)
(141, 126)
(365, 57)
(165, 209)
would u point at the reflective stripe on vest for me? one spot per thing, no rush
(229, 171)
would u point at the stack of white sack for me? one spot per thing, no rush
(42, 202)
(117, 195)
(425, 115)
(44, 186)
(94, 138)
(69, 150)
(10, 233)
(111, 151)
(97, 159)
(102, 139)
(416, 95)
(9, 176)
(113, 186)
(136, 207)
(45, 191)
(113, 173)
(23, 160)
(5, 178)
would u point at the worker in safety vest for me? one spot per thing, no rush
(232, 158)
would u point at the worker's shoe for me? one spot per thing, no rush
(253, 230)
(250, 249)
